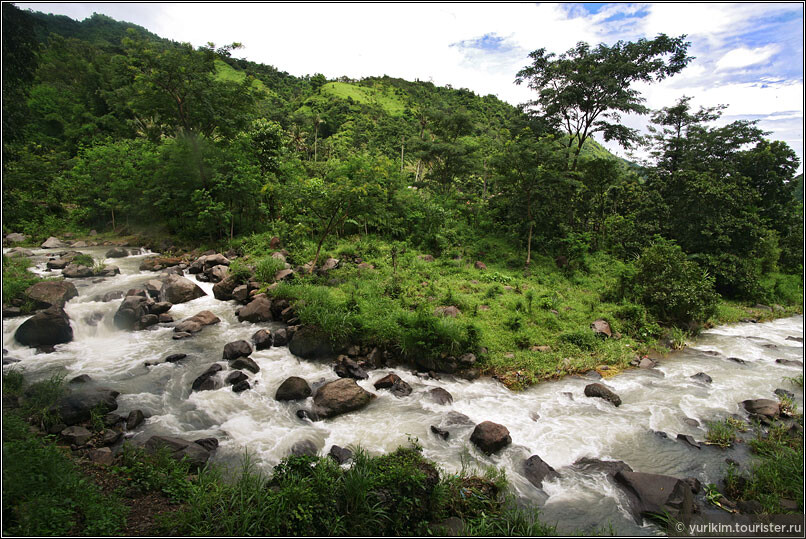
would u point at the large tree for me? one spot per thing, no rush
(584, 90)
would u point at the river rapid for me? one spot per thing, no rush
(553, 420)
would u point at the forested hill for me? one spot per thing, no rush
(108, 126)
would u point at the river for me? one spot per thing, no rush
(553, 420)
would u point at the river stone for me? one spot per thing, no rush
(442, 433)
(293, 388)
(16, 237)
(457, 419)
(440, 396)
(205, 380)
(796, 339)
(304, 448)
(52, 292)
(280, 337)
(160, 307)
(765, 407)
(236, 349)
(339, 397)
(245, 363)
(76, 435)
(47, 327)
(134, 419)
(790, 362)
(77, 271)
(110, 296)
(610, 467)
(81, 379)
(216, 274)
(101, 455)
(702, 377)
(490, 437)
(77, 407)
(783, 393)
(241, 386)
(178, 448)
(601, 327)
(691, 422)
(195, 323)
(109, 437)
(117, 252)
(340, 454)
(176, 289)
(59, 263)
(241, 293)
(653, 494)
(387, 381)
(19, 252)
(600, 391)
(258, 310)
(310, 343)
(131, 312)
(173, 358)
(262, 339)
(236, 377)
(536, 470)
(348, 368)
(53, 243)
(400, 389)
(685, 438)
(223, 290)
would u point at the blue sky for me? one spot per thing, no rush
(749, 56)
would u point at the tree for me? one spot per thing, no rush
(584, 90)
(20, 56)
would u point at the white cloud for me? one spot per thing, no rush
(744, 57)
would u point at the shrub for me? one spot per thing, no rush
(671, 287)
(584, 340)
(266, 267)
(84, 260)
(427, 335)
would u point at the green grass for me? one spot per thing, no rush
(723, 433)
(226, 72)
(381, 95)
(16, 279)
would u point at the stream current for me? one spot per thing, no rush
(553, 420)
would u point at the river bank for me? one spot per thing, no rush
(554, 420)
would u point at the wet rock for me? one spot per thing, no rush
(241, 386)
(293, 388)
(763, 407)
(10, 360)
(81, 379)
(178, 448)
(652, 494)
(77, 271)
(783, 393)
(77, 407)
(131, 312)
(235, 377)
(182, 335)
(387, 381)
(340, 454)
(159, 262)
(702, 377)
(76, 435)
(47, 293)
(223, 290)
(110, 420)
(400, 389)
(109, 437)
(176, 289)
(458, 419)
(117, 252)
(440, 432)
(304, 448)
(245, 363)
(206, 380)
(307, 414)
(339, 397)
(647, 363)
(53, 243)
(790, 362)
(47, 327)
(610, 467)
(160, 307)
(210, 444)
(490, 437)
(685, 438)
(258, 310)
(102, 456)
(165, 319)
(600, 391)
(440, 396)
(236, 349)
(240, 293)
(195, 323)
(660, 434)
(694, 484)
(534, 416)
(148, 320)
(691, 422)
(134, 419)
(750, 507)
(310, 343)
(45, 349)
(737, 360)
(173, 358)
(796, 339)
(348, 368)
(537, 470)
(262, 339)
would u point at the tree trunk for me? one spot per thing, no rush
(529, 245)
(401, 153)
(113, 219)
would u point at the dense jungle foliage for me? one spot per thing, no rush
(108, 126)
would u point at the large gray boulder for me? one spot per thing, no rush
(77, 271)
(310, 343)
(48, 327)
(339, 397)
(117, 252)
(176, 289)
(490, 437)
(132, 309)
(654, 495)
(236, 349)
(195, 323)
(52, 292)
(78, 406)
(258, 310)
(179, 449)
(537, 470)
(53, 243)
(223, 290)
(292, 389)
(765, 407)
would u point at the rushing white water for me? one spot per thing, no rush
(554, 420)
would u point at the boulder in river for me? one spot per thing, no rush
(702, 377)
(339, 397)
(245, 363)
(117, 252)
(176, 289)
(195, 323)
(76, 435)
(52, 292)
(262, 339)
(77, 406)
(47, 327)
(340, 454)
(292, 389)
(134, 419)
(537, 470)
(310, 343)
(223, 290)
(53, 243)
(77, 271)
(610, 467)
(236, 349)
(790, 362)
(490, 437)
(602, 392)
(178, 448)
(205, 381)
(651, 495)
(348, 368)
(258, 310)
(387, 381)
(440, 396)
(131, 311)
(236, 377)
(764, 407)
(689, 440)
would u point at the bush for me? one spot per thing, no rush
(674, 289)
(266, 268)
(584, 340)
(16, 278)
(427, 335)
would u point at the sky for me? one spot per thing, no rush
(748, 56)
